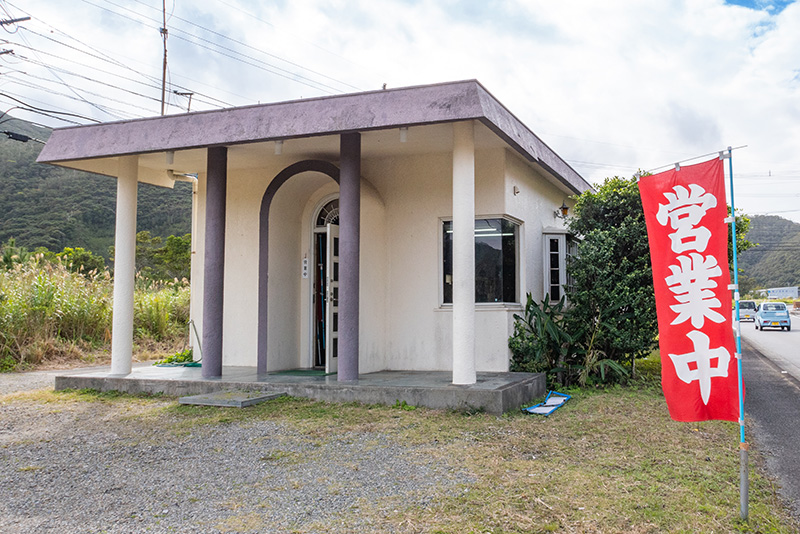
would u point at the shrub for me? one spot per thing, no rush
(541, 341)
(185, 356)
(611, 273)
(548, 339)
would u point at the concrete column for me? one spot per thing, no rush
(349, 239)
(124, 266)
(463, 253)
(214, 261)
(193, 285)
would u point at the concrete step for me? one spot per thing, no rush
(231, 398)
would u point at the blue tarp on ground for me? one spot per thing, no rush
(552, 402)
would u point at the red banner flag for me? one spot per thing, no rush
(685, 211)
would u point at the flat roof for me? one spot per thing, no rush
(312, 117)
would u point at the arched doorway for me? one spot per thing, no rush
(323, 167)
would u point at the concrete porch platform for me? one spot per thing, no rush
(493, 393)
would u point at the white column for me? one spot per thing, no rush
(124, 266)
(463, 253)
(194, 330)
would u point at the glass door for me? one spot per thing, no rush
(332, 299)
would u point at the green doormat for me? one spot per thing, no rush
(302, 372)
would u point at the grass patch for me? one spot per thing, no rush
(609, 461)
(95, 395)
(74, 396)
(249, 522)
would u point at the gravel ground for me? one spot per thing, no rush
(13, 382)
(115, 467)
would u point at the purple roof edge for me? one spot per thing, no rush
(372, 110)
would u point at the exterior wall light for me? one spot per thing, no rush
(562, 212)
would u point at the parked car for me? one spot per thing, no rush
(747, 310)
(773, 315)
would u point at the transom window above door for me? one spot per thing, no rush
(328, 214)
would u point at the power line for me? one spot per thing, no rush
(45, 114)
(767, 195)
(263, 65)
(80, 93)
(769, 173)
(93, 80)
(66, 59)
(17, 100)
(21, 137)
(118, 113)
(101, 56)
(256, 49)
(22, 36)
(606, 165)
(154, 80)
(12, 20)
(10, 118)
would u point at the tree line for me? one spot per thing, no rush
(55, 208)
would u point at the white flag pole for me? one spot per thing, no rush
(743, 464)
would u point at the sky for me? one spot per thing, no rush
(612, 87)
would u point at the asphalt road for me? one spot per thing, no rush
(780, 346)
(771, 368)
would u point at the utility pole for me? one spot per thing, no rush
(164, 34)
(189, 94)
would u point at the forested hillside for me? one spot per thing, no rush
(47, 206)
(775, 261)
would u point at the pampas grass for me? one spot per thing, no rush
(48, 312)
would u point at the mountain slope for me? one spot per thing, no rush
(48, 206)
(775, 262)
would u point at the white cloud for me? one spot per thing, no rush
(611, 86)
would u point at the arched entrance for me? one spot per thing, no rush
(323, 167)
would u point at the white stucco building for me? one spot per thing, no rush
(389, 230)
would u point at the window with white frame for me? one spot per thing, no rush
(496, 265)
(558, 249)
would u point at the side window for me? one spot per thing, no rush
(555, 269)
(558, 251)
(496, 264)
